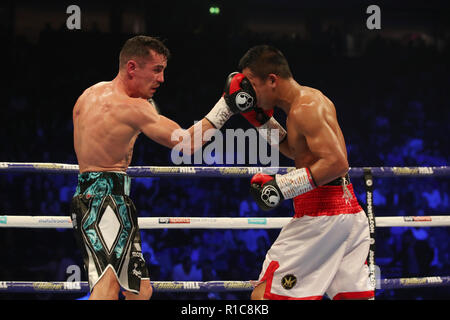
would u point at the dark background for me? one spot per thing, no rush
(389, 86)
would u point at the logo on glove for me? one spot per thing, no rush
(270, 196)
(244, 101)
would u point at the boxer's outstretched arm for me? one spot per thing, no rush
(165, 131)
(315, 124)
(168, 133)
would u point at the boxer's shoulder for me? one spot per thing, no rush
(142, 106)
(97, 88)
(310, 107)
(101, 84)
(302, 112)
(100, 90)
(136, 112)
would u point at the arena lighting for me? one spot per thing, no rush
(214, 10)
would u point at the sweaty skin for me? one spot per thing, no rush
(109, 116)
(314, 138)
(103, 137)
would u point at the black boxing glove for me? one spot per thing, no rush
(239, 96)
(265, 190)
(269, 190)
(239, 93)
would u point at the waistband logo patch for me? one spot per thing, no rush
(288, 281)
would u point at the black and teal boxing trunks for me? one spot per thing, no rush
(105, 223)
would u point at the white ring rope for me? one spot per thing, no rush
(214, 223)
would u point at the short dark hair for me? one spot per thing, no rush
(138, 47)
(263, 60)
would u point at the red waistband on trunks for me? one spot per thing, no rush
(326, 201)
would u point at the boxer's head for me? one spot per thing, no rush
(264, 66)
(142, 62)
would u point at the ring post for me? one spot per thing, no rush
(368, 179)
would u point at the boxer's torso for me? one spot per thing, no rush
(325, 114)
(102, 140)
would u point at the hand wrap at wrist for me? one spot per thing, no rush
(265, 131)
(219, 114)
(296, 182)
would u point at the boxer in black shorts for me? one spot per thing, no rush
(107, 119)
(105, 223)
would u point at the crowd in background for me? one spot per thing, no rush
(392, 104)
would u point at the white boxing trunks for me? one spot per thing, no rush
(322, 250)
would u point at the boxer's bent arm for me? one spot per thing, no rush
(285, 150)
(323, 143)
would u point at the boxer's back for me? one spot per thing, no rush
(103, 142)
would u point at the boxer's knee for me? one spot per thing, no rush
(145, 292)
(258, 292)
(107, 288)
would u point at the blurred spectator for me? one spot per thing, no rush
(185, 270)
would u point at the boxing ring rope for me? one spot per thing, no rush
(218, 172)
(218, 223)
(65, 222)
(199, 286)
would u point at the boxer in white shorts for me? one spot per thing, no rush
(323, 249)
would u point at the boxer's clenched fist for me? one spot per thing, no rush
(269, 190)
(239, 93)
(239, 96)
(265, 191)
